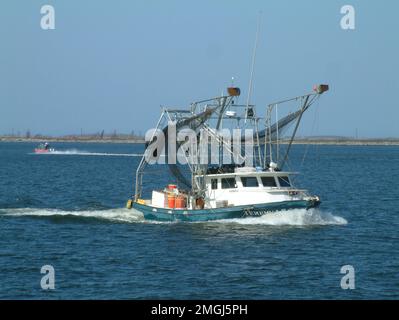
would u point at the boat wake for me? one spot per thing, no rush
(294, 217)
(86, 153)
(116, 215)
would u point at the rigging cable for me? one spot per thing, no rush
(311, 132)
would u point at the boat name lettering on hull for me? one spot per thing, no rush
(255, 213)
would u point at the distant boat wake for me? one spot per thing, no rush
(294, 217)
(86, 153)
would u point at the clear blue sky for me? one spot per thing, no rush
(111, 64)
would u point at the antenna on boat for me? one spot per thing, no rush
(253, 66)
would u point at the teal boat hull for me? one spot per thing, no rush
(256, 210)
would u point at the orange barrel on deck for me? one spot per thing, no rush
(171, 200)
(181, 202)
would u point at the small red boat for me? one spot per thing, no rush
(44, 148)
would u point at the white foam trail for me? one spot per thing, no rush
(293, 217)
(87, 153)
(122, 215)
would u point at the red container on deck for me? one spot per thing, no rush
(180, 202)
(172, 186)
(171, 200)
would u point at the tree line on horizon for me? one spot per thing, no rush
(101, 135)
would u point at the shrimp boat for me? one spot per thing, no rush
(255, 181)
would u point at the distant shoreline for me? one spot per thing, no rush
(72, 140)
(306, 141)
(350, 142)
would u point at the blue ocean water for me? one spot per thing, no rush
(67, 210)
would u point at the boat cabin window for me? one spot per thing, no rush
(214, 184)
(229, 183)
(284, 182)
(249, 182)
(268, 182)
